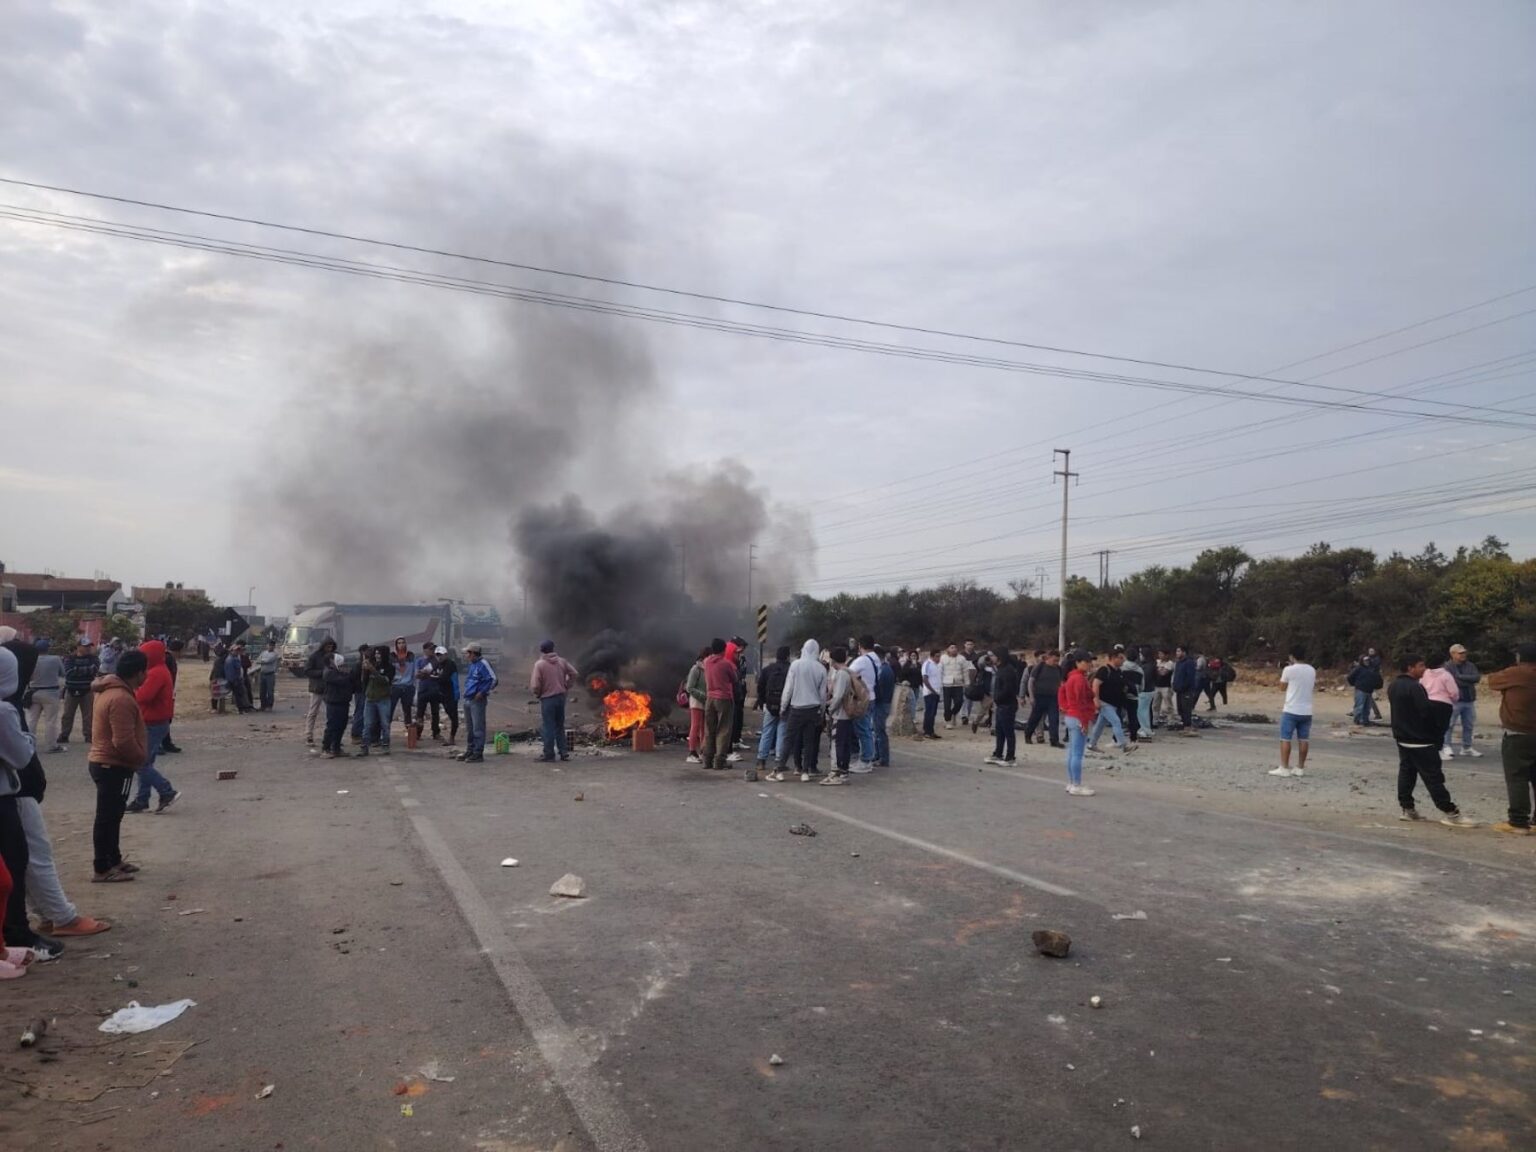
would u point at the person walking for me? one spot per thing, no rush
(802, 701)
(336, 690)
(378, 672)
(1185, 682)
(267, 662)
(1108, 689)
(978, 693)
(770, 687)
(866, 666)
(1517, 714)
(1079, 709)
(551, 679)
(840, 691)
(1216, 681)
(1467, 676)
(1046, 687)
(319, 663)
(156, 698)
(119, 747)
(880, 710)
(479, 682)
(956, 674)
(933, 691)
(697, 693)
(1006, 679)
(1300, 682)
(719, 704)
(45, 691)
(1418, 746)
(1365, 679)
(80, 671)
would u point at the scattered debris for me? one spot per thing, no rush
(570, 885)
(267, 1091)
(338, 931)
(1051, 942)
(33, 1034)
(1135, 1131)
(396, 883)
(433, 1070)
(1475, 1031)
(509, 863)
(775, 1059)
(854, 854)
(191, 911)
(581, 796)
(407, 1111)
(1333, 990)
(801, 830)
(1223, 959)
(343, 791)
(137, 1018)
(764, 796)
(227, 774)
(1136, 915)
(1071, 1067)
(1095, 1002)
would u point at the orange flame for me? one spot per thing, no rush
(625, 710)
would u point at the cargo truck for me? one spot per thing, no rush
(350, 625)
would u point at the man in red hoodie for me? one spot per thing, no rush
(157, 702)
(720, 702)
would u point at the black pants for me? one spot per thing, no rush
(842, 744)
(112, 785)
(241, 690)
(335, 725)
(802, 743)
(1003, 719)
(430, 706)
(402, 695)
(1518, 752)
(451, 709)
(13, 850)
(1186, 702)
(1049, 709)
(1414, 764)
(930, 711)
(954, 700)
(268, 690)
(739, 718)
(1131, 720)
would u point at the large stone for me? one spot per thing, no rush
(1052, 943)
(575, 887)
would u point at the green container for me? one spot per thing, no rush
(503, 743)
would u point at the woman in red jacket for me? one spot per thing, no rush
(1078, 709)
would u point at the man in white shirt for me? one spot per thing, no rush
(866, 666)
(1300, 679)
(956, 672)
(933, 690)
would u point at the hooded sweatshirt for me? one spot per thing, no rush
(805, 684)
(1005, 683)
(1076, 698)
(1413, 725)
(553, 675)
(118, 739)
(1517, 707)
(157, 695)
(720, 674)
(16, 747)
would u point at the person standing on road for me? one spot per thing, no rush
(1365, 679)
(44, 691)
(336, 688)
(1046, 685)
(1005, 707)
(173, 650)
(80, 670)
(1080, 709)
(1440, 687)
(1108, 688)
(1467, 676)
(360, 694)
(801, 702)
(698, 698)
(319, 663)
(451, 692)
(266, 670)
(1146, 666)
(719, 703)
(880, 709)
(1517, 714)
(1186, 689)
(866, 666)
(957, 673)
(839, 695)
(738, 650)
(17, 750)
(479, 682)
(234, 677)
(108, 656)
(1300, 681)
(770, 687)
(402, 691)
(933, 691)
(1162, 690)
(1373, 657)
(378, 672)
(1418, 746)
(552, 678)
(911, 674)
(119, 747)
(156, 698)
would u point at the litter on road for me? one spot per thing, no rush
(570, 885)
(267, 1091)
(1051, 942)
(775, 1059)
(1136, 915)
(509, 863)
(138, 1018)
(801, 830)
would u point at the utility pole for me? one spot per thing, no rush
(751, 567)
(1040, 579)
(1103, 567)
(682, 567)
(1067, 476)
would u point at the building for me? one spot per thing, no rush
(149, 597)
(43, 591)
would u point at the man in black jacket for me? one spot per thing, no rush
(1005, 707)
(79, 672)
(314, 670)
(1045, 685)
(770, 687)
(1418, 739)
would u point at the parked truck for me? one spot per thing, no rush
(350, 625)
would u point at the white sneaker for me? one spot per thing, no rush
(1131, 747)
(1447, 754)
(1473, 752)
(862, 768)
(1298, 772)
(834, 780)
(733, 758)
(776, 777)
(1080, 790)
(693, 758)
(991, 760)
(1460, 820)
(1409, 814)
(1280, 771)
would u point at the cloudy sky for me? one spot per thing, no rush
(1240, 187)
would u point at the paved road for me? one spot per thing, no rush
(1294, 985)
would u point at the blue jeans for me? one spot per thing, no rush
(1362, 711)
(149, 775)
(1075, 743)
(864, 733)
(1144, 711)
(359, 702)
(552, 720)
(1466, 712)
(912, 698)
(772, 738)
(376, 722)
(1110, 715)
(879, 715)
(930, 711)
(474, 726)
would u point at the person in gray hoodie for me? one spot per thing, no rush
(45, 690)
(803, 702)
(16, 752)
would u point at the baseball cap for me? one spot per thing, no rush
(1458, 647)
(547, 646)
(472, 647)
(442, 651)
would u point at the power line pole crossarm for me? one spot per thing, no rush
(1067, 476)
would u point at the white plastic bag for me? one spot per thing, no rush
(136, 1018)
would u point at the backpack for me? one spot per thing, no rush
(976, 689)
(856, 702)
(682, 694)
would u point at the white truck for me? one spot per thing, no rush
(438, 622)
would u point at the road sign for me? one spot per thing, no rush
(762, 623)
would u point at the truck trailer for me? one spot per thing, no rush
(350, 625)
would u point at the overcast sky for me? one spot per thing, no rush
(1229, 185)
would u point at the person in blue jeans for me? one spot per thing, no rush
(156, 698)
(866, 666)
(377, 673)
(479, 682)
(552, 678)
(775, 726)
(880, 710)
(1109, 694)
(1465, 711)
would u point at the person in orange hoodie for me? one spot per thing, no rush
(157, 703)
(119, 748)
(1079, 709)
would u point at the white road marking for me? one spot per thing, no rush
(936, 849)
(609, 1128)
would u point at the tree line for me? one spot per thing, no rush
(1335, 601)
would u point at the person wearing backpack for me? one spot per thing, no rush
(867, 669)
(846, 696)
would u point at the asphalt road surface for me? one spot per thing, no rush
(1304, 977)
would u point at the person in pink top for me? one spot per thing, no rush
(552, 678)
(1443, 692)
(720, 702)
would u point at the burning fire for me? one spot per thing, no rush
(625, 710)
